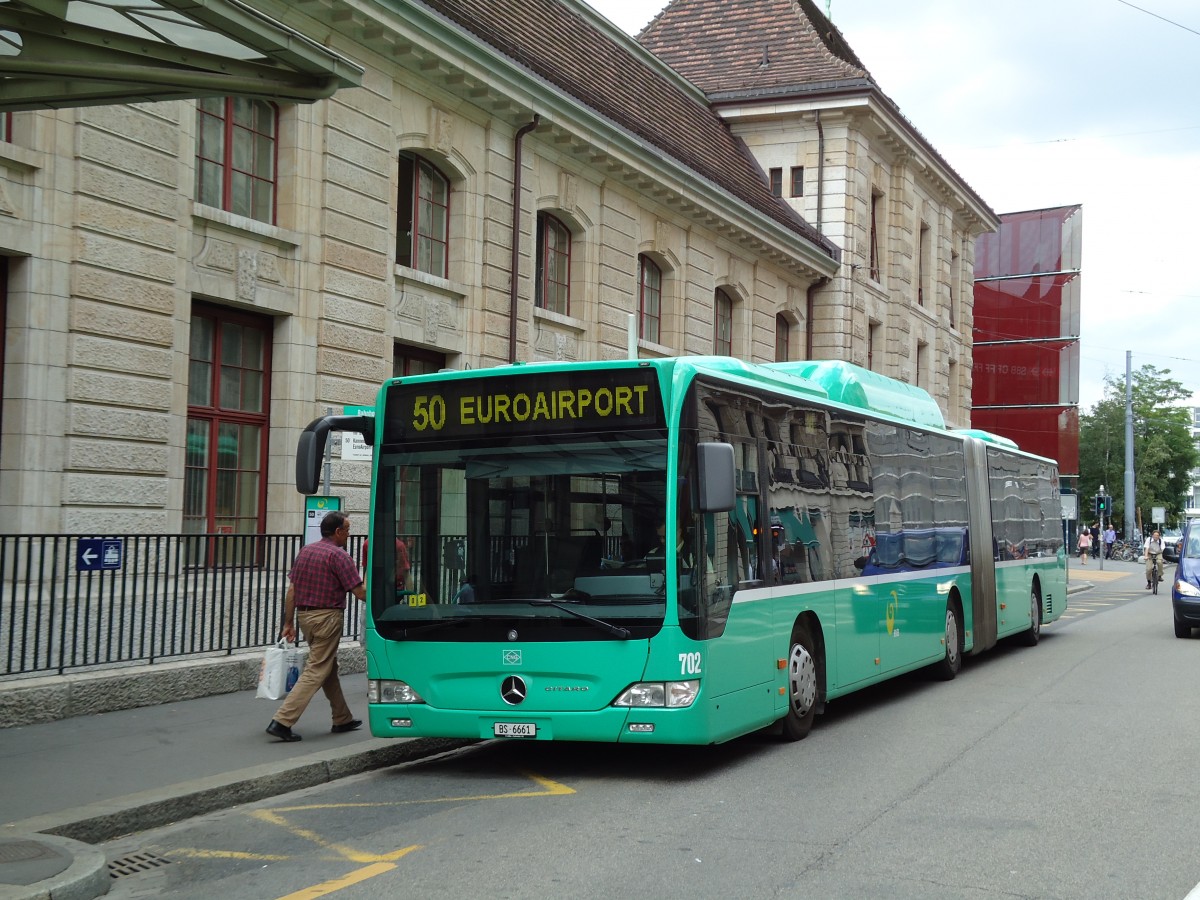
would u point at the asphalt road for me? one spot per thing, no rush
(1060, 771)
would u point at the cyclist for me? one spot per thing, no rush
(1153, 550)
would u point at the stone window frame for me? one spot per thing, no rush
(722, 316)
(739, 345)
(924, 262)
(783, 338)
(775, 180)
(410, 228)
(875, 240)
(548, 223)
(216, 414)
(408, 359)
(797, 181)
(650, 299)
(232, 133)
(956, 279)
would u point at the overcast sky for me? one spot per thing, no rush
(1040, 103)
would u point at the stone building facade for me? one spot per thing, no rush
(187, 284)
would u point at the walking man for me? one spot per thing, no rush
(321, 576)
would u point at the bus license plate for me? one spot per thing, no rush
(515, 729)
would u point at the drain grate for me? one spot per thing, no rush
(134, 863)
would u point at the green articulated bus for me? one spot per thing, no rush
(681, 550)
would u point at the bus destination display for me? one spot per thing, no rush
(542, 403)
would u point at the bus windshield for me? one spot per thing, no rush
(554, 538)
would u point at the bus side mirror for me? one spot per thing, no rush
(715, 471)
(310, 450)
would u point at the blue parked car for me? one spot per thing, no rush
(1185, 593)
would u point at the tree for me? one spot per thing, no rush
(1163, 452)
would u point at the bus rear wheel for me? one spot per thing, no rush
(950, 664)
(802, 686)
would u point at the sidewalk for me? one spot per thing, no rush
(93, 778)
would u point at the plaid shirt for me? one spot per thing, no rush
(322, 575)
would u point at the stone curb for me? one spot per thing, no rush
(84, 879)
(106, 820)
(50, 698)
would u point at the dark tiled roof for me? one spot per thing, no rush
(751, 46)
(549, 38)
(756, 49)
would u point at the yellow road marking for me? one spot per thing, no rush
(347, 853)
(328, 887)
(378, 862)
(227, 854)
(550, 789)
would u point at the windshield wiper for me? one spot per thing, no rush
(432, 625)
(614, 630)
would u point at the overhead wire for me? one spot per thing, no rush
(1157, 16)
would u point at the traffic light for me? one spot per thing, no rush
(1101, 504)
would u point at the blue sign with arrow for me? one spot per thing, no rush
(97, 554)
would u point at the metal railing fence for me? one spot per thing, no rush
(172, 596)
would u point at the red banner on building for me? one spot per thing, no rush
(1025, 372)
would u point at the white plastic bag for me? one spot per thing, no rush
(281, 667)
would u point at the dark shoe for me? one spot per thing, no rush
(352, 725)
(282, 732)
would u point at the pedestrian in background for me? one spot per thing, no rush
(321, 577)
(1085, 543)
(1110, 538)
(402, 562)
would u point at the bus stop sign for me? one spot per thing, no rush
(92, 554)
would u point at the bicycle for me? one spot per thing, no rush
(1156, 572)
(1125, 551)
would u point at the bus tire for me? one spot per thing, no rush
(803, 690)
(1030, 636)
(950, 664)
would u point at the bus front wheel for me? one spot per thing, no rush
(1030, 638)
(802, 686)
(949, 665)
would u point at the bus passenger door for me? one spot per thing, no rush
(738, 627)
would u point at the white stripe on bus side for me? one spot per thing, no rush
(751, 595)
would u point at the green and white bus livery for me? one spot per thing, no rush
(681, 550)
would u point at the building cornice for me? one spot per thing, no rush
(879, 117)
(416, 38)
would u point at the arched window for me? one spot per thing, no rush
(236, 145)
(723, 324)
(649, 299)
(873, 259)
(553, 265)
(423, 229)
(783, 334)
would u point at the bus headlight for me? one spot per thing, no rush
(663, 694)
(381, 690)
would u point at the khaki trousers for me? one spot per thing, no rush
(322, 628)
